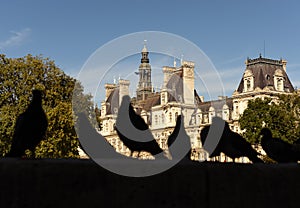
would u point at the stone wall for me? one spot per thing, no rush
(82, 183)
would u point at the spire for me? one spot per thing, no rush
(144, 86)
(145, 52)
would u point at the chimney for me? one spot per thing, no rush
(124, 89)
(168, 71)
(188, 81)
(108, 89)
(284, 62)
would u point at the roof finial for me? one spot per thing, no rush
(145, 46)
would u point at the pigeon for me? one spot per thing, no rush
(30, 127)
(230, 143)
(180, 137)
(139, 130)
(93, 143)
(277, 149)
(203, 136)
(172, 137)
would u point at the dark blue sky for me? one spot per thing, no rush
(227, 31)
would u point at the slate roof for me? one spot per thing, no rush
(204, 106)
(152, 100)
(175, 87)
(263, 70)
(112, 101)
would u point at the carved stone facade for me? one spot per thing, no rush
(262, 78)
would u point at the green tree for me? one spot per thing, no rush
(281, 118)
(18, 77)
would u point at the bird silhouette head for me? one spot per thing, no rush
(37, 95)
(266, 132)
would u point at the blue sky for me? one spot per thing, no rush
(227, 31)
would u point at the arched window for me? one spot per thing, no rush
(248, 84)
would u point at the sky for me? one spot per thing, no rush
(70, 31)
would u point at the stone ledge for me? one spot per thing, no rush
(82, 183)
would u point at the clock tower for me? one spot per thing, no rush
(145, 85)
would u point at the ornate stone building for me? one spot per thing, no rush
(262, 78)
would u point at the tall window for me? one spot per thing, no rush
(106, 127)
(279, 84)
(248, 84)
(170, 116)
(155, 119)
(163, 98)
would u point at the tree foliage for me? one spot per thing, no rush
(280, 116)
(18, 77)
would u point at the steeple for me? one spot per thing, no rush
(144, 86)
(145, 53)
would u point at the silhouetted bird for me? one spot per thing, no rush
(230, 143)
(137, 137)
(203, 135)
(172, 137)
(91, 139)
(137, 120)
(30, 127)
(277, 149)
(180, 136)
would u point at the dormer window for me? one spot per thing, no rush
(279, 86)
(248, 81)
(279, 80)
(248, 84)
